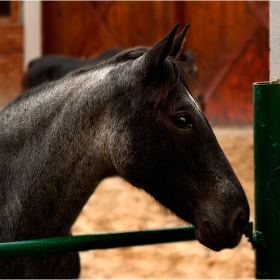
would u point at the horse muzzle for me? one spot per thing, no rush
(218, 234)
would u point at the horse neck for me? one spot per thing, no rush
(52, 159)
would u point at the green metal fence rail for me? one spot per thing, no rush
(46, 246)
(267, 178)
(95, 241)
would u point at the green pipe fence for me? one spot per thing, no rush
(55, 245)
(267, 178)
(95, 241)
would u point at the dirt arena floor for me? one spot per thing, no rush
(117, 206)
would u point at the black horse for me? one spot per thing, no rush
(53, 67)
(131, 116)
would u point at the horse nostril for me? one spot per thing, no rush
(240, 223)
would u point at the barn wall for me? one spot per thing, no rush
(11, 55)
(87, 27)
(274, 40)
(229, 41)
(32, 30)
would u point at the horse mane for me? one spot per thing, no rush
(168, 76)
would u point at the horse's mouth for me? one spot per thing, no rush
(207, 237)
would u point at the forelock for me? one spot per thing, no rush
(168, 76)
(172, 74)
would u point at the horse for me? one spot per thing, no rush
(131, 116)
(53, 67)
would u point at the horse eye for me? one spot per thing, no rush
(182, 121)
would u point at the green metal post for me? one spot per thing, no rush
(267, 178)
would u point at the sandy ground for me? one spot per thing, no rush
(117, 206)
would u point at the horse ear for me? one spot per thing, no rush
(179, 42)
(155, 55)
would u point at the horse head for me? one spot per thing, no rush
(165, 146)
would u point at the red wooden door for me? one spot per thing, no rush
(85, 28)
(229, 41)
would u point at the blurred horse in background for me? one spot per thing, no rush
(53, 67)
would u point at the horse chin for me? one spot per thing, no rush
(207, 237)
(209, 240)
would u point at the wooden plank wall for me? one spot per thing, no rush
(11, 54)
(231, 45)
(229, 41)
(87, 27)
